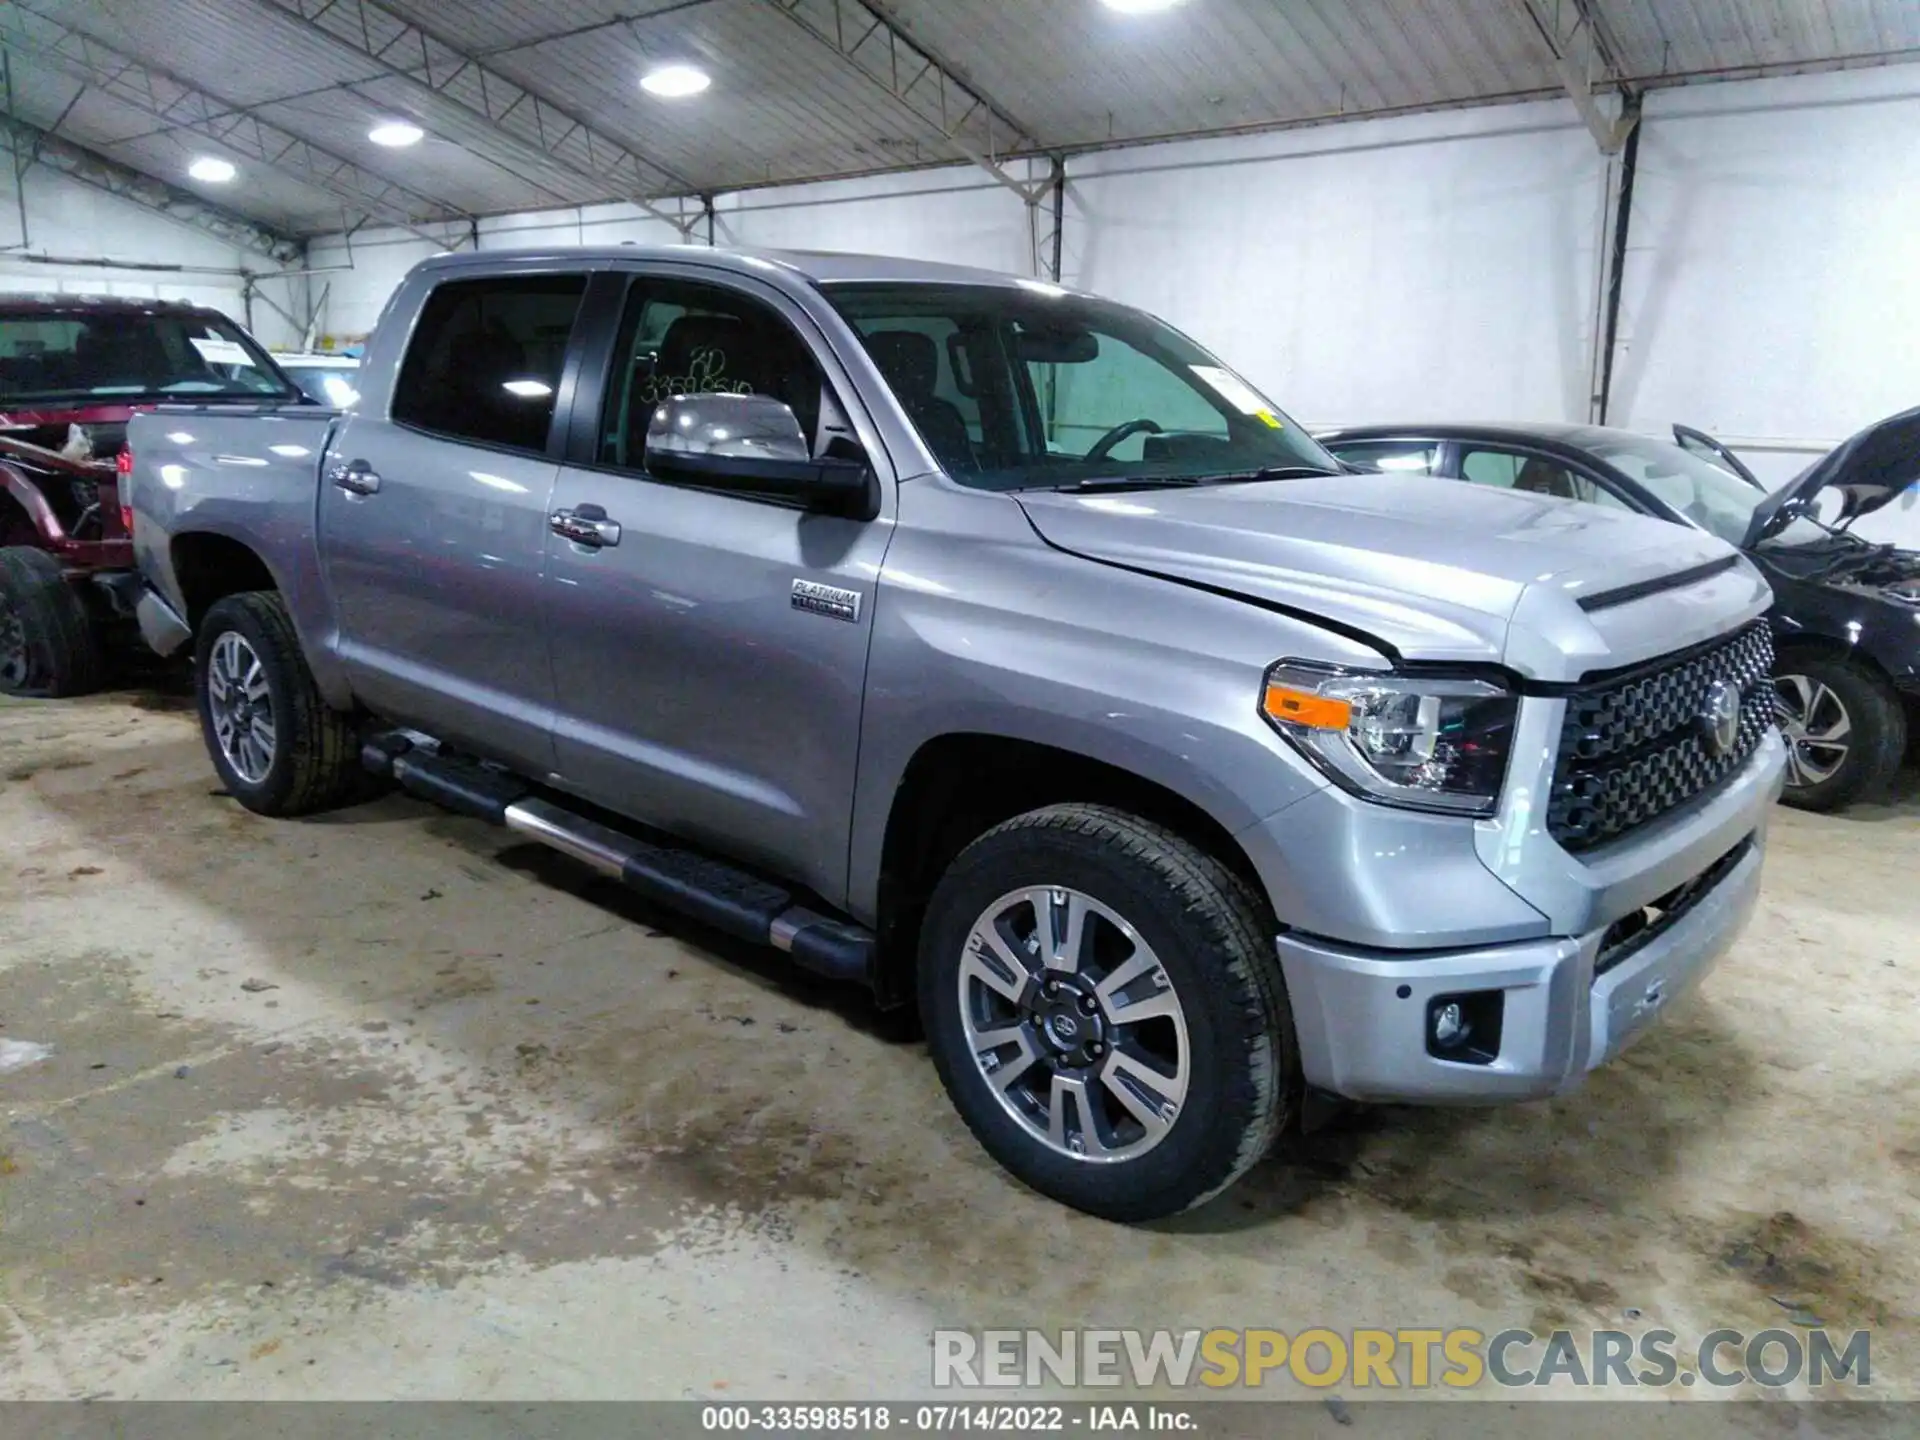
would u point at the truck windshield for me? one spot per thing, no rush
(1016, 388)
(104, 355)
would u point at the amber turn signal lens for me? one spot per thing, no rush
(1303, 707)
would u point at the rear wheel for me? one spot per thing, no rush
(1844, 727)
(48, 644)
(1105, 1008)
(278, 747)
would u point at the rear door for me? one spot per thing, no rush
(1698, 442)
(433, 517)
(694, 689)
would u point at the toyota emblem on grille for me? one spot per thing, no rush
(1720, 717)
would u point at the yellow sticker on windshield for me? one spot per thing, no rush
(1269, 419)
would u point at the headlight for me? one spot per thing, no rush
(1428, 743)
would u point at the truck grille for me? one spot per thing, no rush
(1634, 747)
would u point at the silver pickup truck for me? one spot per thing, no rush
(998, 647)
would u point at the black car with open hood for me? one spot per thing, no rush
(1868, 472)
(1846, 617)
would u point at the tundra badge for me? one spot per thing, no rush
(828, 600)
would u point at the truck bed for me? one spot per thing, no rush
(221, 469)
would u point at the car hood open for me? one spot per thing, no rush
(1429, 569)
(1868, 471)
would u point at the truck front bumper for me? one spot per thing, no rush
(1546, 1011)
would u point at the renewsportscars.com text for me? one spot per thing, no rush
(1401, 1358)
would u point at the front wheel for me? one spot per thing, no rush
(278, 747)
(1105, 1008)
(1844, 729)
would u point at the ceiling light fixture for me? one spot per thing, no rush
(1139, 7)
(674, 82)
(395, 134)
(213, 171)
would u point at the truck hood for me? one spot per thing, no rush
(1868, 471)
(1426, 569)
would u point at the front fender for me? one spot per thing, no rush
(980, 629)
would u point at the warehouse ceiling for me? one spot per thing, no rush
(528, 106)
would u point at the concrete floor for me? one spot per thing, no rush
(386, 1103)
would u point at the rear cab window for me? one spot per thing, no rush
(484, 361)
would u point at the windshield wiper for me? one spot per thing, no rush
(1267, 472)
(1108, 484)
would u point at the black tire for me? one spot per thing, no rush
(49, 648)
(1213, 939)
(315, 761)
(1877, 732)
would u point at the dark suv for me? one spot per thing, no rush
(73, 369)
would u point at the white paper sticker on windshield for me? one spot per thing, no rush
(1230, 388)
(222, 352)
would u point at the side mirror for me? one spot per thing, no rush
(755, 443)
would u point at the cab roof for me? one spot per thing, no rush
(823, 267)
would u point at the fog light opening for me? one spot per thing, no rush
(1465, 1028)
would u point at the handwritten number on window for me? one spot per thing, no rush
(706, 375)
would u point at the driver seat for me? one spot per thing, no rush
(911, 364)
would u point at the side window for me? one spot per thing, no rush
(1535, 475)
(947, 380)
(925, 357)
(485, 359)
(1392, 456)
(679, 338)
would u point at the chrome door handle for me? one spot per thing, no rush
(586, 525)
(356, 477)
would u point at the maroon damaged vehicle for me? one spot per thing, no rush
(72, 370)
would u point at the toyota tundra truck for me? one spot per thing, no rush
(997, 647)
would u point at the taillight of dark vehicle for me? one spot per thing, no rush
(123, 469)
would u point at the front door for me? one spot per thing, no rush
(693, 689)
(433, 519)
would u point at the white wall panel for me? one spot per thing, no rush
(1772, 292)
(957, 215)
(357, 276)
(1442, 265)
(1419, 267)
(361, 273)
(960, 216)
(76, 222)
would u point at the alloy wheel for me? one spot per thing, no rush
(1817, 728)
(1074, 1024)
(241, 707)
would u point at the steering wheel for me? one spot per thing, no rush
(1104, 446)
